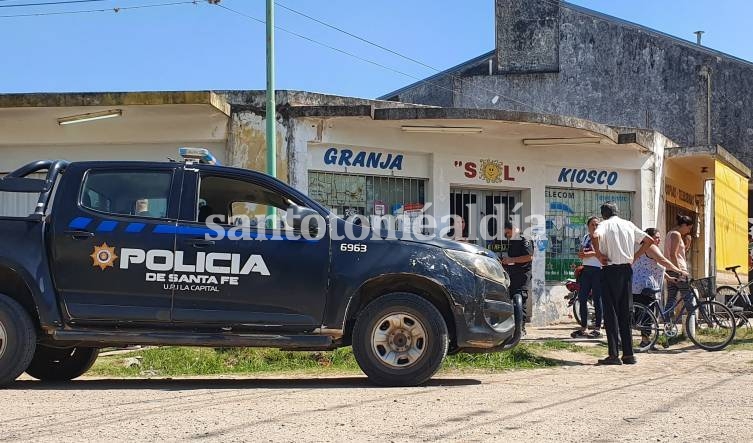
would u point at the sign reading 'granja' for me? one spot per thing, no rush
(363, 159)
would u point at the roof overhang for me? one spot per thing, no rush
(705, 157)
(141, 118)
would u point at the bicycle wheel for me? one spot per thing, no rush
(725, 294)
(644, 327)
(734, 301)
(711, 325)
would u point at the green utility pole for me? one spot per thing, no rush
(271, 111)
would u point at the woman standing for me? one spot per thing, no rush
(590, 282)
(648, 275)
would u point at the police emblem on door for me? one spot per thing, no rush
(104, 256)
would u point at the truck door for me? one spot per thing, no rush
(113, 239)
(255, 283)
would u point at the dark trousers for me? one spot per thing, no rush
(617, 283)
(518, 282)
(590, 282)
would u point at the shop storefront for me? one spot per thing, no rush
(485, 183)
(368, 182)
(710, 186)
(684, 196)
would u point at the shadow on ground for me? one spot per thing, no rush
(182, 384)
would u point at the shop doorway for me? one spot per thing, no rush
(695, 255)
(475, 204)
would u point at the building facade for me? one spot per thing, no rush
(548, 173)
(555, 57)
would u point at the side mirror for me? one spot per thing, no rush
(302, 218)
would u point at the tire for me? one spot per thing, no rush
(711, 325)
(18, 339)
(725, 294)
(400, 339)
(576, 310)
(644, 327)
(61, 364)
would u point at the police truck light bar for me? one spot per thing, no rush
(198, 155)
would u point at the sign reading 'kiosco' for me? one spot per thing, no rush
(588, 176)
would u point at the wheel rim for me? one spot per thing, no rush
(3, 340)
(399, 340)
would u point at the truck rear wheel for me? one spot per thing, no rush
(400, 339)
(17, 340)
(61, 364)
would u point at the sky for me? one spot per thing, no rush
(204, 47)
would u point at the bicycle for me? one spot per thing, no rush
(710, 325)
(738, 298)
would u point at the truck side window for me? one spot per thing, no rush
(143, 194)
(238, 202)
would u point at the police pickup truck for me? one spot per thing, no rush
(149, 253)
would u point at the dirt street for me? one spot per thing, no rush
(685, 395)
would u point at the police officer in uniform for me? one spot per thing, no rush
(517, 263)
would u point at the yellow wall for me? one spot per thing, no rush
(730, 217)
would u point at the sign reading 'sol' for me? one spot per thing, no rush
(490, 171)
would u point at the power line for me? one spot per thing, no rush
(301, 36)
(67, 2)
(397, 71)
(90, 11)
(369, 42)
(325, 45)
(357, 37)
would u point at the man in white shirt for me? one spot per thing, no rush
(614, 241)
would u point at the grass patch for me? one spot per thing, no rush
(181, 361)
(186, 361)
(743, 339)
(523, 356)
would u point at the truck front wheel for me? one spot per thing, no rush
(61, 364)
(400, 339)
(17, 340)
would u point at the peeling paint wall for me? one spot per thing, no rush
(247, 145)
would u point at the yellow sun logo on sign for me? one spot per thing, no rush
(104, 256)
(491, 171)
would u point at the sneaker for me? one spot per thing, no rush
(629, 359)
(578, 333)
(594, 334)
(611, 360)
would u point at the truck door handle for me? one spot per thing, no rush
(200, 243)
(80, 235)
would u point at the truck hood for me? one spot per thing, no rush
(442, 243)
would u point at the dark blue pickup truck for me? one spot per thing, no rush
(147, 253)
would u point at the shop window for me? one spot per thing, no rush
(349, 194)
(567, 211)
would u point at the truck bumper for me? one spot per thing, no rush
(489, 324)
